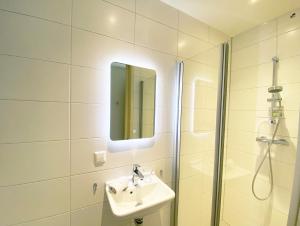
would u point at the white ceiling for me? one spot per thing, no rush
(234, 16)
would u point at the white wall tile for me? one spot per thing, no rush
(289, 70)
(252, 77)
(205, 97)
(191, 195)
(162, 122)
(162, 168)
(162, 148)
(195, 142)
(289, 125)
(32, 201)
(223, 223)
(237, 213)
(200, 74)
(194, 164)
(236, 120)
(256, 99)
(159, 218)
(158, 11)
(25, 79)
(34, 38)
(25, 121)
(204, 120)
(255, 35)
(103, 18)
(255, 54)
(89, 85)
(82, 153)
(190, 25)
(163, 64)
(59, 220)
(217, 37)
(56, 10)
(127, 4)
(89, 120)
(286, 23)
(289, 44)
(27, 162)
(93, 50)
(91, 216)
(189, 47)
(155, 36)
(210, 57)
(283, 177)
(278, 218)
(289, 92)
(82, 193)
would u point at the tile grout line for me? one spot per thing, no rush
(53, 21)
(177, 49)
(35, 17)
(34, 58)
(34, 100)
(276, 35)
(68, 176)
(71, 139)
(70, 113)
(134, 25)
(234, 149)
(135, 13)
(254, 43)
(34, 182)
(38, 219)
(118, 6)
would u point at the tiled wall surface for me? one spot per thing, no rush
(251, 76)
(54, 102)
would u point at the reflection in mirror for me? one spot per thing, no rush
(132, 102)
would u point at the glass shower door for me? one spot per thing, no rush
(197, 149)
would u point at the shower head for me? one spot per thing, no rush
(275, 89)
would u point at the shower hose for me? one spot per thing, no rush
(267, 154)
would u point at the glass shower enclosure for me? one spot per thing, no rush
(222, 168)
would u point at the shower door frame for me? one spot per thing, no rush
(294, 217)
(180, 70)
(219, 140)
(220, 136)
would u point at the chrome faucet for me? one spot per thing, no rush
(137, 173)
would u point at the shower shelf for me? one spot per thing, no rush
(268, 140)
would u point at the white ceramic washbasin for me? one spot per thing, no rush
(132, 201)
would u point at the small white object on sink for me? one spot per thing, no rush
(133, 199)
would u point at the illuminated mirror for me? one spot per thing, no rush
(132, 102)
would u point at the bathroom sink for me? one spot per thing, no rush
(132, 200)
